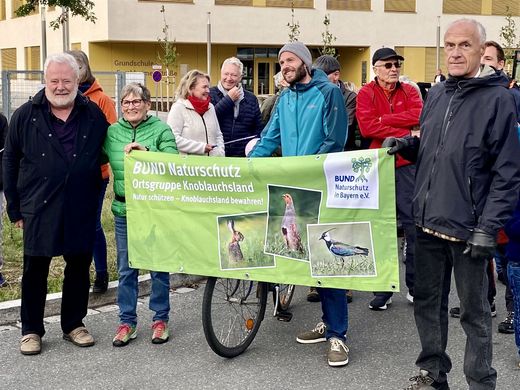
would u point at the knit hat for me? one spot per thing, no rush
(300, 50)
(327, 63)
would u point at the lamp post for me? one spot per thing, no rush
(65, 26)
(438, 45)
(44, 34)
(208, 48)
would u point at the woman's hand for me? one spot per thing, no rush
(208, 148)
(133, 146)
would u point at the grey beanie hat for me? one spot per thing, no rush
(327, 63)
(301, 51)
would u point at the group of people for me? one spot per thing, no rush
(457, 183)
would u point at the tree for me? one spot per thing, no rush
(328, 39)
(169, 56)
(83, 8)
(509, 40)
(294, 27)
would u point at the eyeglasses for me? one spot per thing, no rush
(389, 65)
(135, 102)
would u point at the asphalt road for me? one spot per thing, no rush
(383, 348)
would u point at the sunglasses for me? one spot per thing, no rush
(389, 65)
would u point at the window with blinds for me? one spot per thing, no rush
(2, 9)
(32, 58)
(15, 4)
(289, 3)
(234, 2)
(8, 59)
(399, 5)
(501, 7)
(350, 5)
(472, 7)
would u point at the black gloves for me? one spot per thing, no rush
(481, 245)
(395, 144)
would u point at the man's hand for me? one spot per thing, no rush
(234, 93)
(481, 245)
(19, 224)
(395, 144)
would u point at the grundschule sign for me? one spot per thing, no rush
(325, 220)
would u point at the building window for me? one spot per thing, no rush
(170, 1)
(32, 58)
(234, 2)
(502, 7)
(8, 59)
(399, 5)
(472, 7)
(289, 3)
(15, 4)
(350, 5)
(2, 9)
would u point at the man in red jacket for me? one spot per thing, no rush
(387, 108)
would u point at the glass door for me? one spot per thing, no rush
(265, 69)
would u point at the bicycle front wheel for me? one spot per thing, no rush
(232, 311)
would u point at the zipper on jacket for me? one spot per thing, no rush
(134, 129)
(206, 130)
(473, 204)
(445, 124)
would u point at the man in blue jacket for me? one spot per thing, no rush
(310, 118)
(238, 111)
(466, 187)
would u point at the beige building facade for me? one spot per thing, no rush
(125, 35)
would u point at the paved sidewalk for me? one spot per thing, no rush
(383, 345)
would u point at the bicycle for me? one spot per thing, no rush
(233, 310)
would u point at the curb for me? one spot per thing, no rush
(10, 310)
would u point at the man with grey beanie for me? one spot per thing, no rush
(310, 118)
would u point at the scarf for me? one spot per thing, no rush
(237, 103)
(200, 105)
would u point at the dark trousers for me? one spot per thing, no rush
(76, 284)
(433, 267)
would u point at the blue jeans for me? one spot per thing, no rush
(513, 274)
(335, 312)
(128, 286)
(100, 242)
(434, 261)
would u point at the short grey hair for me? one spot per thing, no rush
(480, 28)
(61, 58)
(234, 61)
(136, 89)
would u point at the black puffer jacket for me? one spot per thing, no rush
(247, 124)
(468, 167)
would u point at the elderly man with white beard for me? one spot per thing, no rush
(52, 179)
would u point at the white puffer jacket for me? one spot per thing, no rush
(192, 131)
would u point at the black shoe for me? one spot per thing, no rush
(493, 310)
(313, 295)
(455, 312)
(501, 278)
(506, 326)
(380, 301)
(100, 284)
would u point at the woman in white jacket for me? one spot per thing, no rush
(193, 119)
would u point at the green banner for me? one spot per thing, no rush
(326, 220)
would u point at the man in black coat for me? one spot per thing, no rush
(466, 188)
(3, 132)
(52, 178)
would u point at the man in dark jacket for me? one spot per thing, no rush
(52, 179)
(3, 133)
(238, 111)
(467, 185)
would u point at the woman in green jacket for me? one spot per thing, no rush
(136, 131)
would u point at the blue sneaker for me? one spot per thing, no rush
(380, 301)
(2, 280)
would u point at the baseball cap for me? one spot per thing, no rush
(384, 54)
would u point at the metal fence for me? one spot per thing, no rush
(19, 86)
